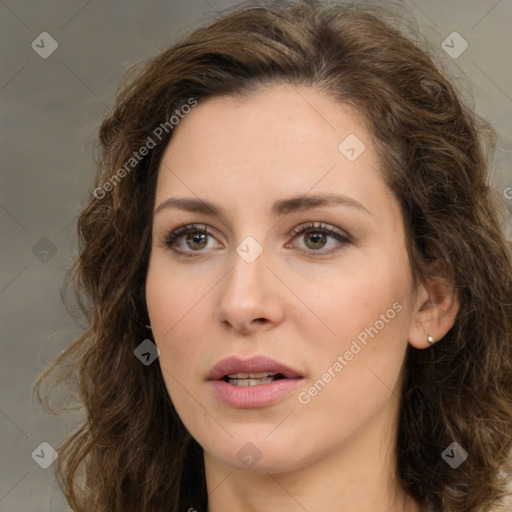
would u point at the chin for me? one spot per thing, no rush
(257, 453)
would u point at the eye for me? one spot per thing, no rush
(189, 238)
(316, 237)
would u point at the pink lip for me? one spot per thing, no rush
(252, 396)
(255, 364)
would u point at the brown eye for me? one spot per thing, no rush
(192, 238)
(316, 237)
(197, 240)
(315, 240)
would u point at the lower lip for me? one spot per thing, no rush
(246, 397)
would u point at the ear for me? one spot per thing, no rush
(435, 310)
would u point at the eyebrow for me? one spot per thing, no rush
(279, 208)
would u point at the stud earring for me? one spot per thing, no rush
(430, 339)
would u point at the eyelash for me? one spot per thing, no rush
(173, 236)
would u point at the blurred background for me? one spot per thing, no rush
(61, 63)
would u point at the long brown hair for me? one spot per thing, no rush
(132, 451)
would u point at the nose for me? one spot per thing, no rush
(250, 298)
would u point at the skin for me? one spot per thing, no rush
(301, 307)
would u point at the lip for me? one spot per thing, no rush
(252, 396)
(257, 364)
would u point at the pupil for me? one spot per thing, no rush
(196, 238)
(318, 239)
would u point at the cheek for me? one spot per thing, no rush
(171, 296)
(174, 312)
(172, 306)
(365, 303)
(363, 339)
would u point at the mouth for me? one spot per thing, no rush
(255, 371)
(253, 383)
(252, 379)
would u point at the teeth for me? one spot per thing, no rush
(250, 379)
(250, 375)
(250, 382)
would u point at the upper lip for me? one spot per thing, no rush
(256, 364)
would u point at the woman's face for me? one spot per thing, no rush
(303, 266)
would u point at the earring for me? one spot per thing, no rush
(148, 327)
(429, 338)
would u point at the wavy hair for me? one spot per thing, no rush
(131, 451)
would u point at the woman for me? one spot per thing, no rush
(298, 288)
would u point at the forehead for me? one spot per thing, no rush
(281, 116)
(279, 141)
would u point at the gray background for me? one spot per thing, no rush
(50, 110)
